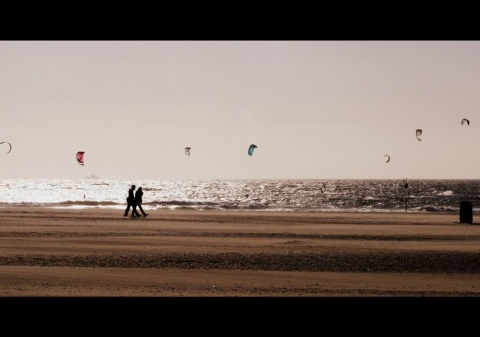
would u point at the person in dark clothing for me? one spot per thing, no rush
(139, 200)
(131, 203)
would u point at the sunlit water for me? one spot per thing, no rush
(250, 195)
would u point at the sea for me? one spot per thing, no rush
(289, 195)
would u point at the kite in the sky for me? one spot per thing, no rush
(465, 120)
(251, 148)
(187, 151)
(9, 145)
(388, 157)
(419, 134)
(80, 157)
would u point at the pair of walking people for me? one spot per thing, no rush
(135, 200)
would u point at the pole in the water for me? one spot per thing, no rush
(406, 202)
(407, 193)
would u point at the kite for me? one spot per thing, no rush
(388, 157)
(251, 148)
(419, 134)
(9, 145)
(465, 120)
(323, 188)
(80, 157)
(187, 151)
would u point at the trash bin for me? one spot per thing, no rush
(466, 214)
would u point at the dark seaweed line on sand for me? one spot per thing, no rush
(313, 291)
(419, 262)
(245, 235)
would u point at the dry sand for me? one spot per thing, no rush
(183, 253)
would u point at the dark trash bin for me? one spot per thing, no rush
(466, 213)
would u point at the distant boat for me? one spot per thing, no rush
(93, 176)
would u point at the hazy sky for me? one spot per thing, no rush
(315, 109)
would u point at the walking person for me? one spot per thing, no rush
(139, 200)
(131, 203)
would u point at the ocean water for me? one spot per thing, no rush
(295, 195)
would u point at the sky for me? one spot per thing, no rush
(316, 109)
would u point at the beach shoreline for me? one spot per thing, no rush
(48, 252)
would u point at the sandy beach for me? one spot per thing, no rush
(47, 252)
